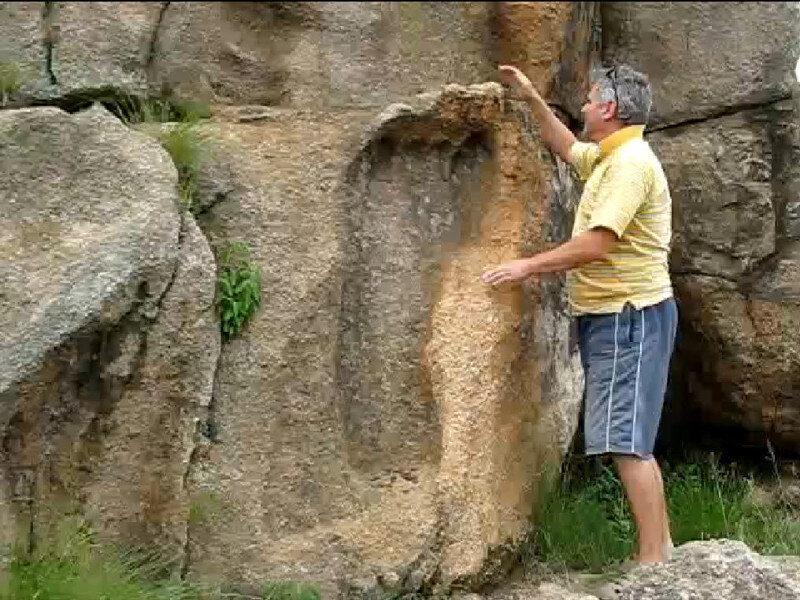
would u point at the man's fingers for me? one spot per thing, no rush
(497, 275)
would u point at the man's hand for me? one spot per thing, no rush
(555, 134)
(515, 270)
(515, 78)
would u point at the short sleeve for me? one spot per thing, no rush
(583, 157)
(618, 200)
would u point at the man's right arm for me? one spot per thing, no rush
(555, 134)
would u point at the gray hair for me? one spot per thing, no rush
(628, 88)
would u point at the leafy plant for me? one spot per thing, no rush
(239, 287)
(10, 78)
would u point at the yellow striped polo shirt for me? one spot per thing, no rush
(625, 191)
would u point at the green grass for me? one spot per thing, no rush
(289, 590)
(239, 287)
(175, 125)
(74, 566)
(584, 522)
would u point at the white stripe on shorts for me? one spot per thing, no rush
(636, 393)
(611, 387)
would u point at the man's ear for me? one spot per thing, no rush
(609, 110)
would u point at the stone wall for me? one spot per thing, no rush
(384, 421)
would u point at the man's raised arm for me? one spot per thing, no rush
(555, 134)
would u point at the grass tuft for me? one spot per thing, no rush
(72, 565)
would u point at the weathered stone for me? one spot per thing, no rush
(554, 45)
(377, 445)
(90, 228)
(717, 569)
(138, 493)
(720, 569)
(77, 49)
(103, 45)
(705, 58)
(22, 44)
(739, 362)
(382, 386)
(110, 338)
(734, 181)
(303, 54)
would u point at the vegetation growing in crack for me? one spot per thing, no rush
(176, 125)
(177, 128)
(239, 288)
(10, 80)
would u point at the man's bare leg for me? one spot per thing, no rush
(667, 536)
(646, 499)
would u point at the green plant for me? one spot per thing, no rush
(186, 145)
(207, 507)
(239, 287)
(175, 125)
(10, 78)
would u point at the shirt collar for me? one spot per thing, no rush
(618, 138)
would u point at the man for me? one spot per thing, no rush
(618, 282)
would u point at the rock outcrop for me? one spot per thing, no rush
(384, 421)
(410, 458)
(109, 334)
(718, 569)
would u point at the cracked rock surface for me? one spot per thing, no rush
(109, 339)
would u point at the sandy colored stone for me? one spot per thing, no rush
(394, 429)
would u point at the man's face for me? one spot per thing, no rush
(595, 114)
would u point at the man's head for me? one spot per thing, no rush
(619, 96)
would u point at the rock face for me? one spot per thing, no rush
(93, 402)
(383, 422)
(705, 58)
(409, 459)
(725, 115)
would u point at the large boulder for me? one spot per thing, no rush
(109, 338)
(385, 423)
(705, 58)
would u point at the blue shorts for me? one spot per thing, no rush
(626, 358)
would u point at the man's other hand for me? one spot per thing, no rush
(514, 270)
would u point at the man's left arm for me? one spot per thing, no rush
(614, 208)
(587, 247)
